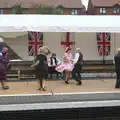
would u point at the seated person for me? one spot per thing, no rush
(52, 63)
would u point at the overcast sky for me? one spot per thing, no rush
(85, 2)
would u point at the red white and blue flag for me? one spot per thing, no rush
(35, 41)
(67, 42)
(104, 43)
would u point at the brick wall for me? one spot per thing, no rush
(109, 11)
(96, 11)
(81, 11)
(7, 11)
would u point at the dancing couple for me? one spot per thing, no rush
(71, 66)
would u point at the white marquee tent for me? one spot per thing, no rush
(59, 23)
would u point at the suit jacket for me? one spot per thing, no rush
(117, 61)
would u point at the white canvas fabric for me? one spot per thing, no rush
(59, 23)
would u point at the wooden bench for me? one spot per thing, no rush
(22, 69)
(28, 73)
(14, 74)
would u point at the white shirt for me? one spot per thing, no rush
(53, 60)
(76, 58)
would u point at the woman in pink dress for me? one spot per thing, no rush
(66, 65)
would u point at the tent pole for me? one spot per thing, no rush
(103, 54)
(114, 43)
(74, 44)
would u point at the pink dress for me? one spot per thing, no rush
(67, 64)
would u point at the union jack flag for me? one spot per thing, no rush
(35, 41)
(104, 43)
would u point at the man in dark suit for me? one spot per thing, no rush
(78, 61)
(117, 67)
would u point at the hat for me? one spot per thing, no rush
(67, 49)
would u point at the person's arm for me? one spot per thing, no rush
(114, 60)
(6, 60)
(65, 58)
(58, 61)
(35, 64)
(76, 58)
(82, 58)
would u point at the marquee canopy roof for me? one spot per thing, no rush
(59, 23)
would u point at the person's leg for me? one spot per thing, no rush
(44, 81)
(79, 75)
(3, 84)
(57, 73)
(66, 77)
(79, 78)
(50, 71)
(78, 71)
(40, 82)
(74, 76)
(69, 75)
(63, 75)
(43, 85)
(118, 79)
(6, 82)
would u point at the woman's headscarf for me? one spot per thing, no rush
(44, 50)
(41, 50)
(4, 51)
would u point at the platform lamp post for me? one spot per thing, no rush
(114, 45)
(74, 33)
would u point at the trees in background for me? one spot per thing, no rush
(48, 10)
(42, 9)
(17, 9)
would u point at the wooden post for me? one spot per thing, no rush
(103, 60)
